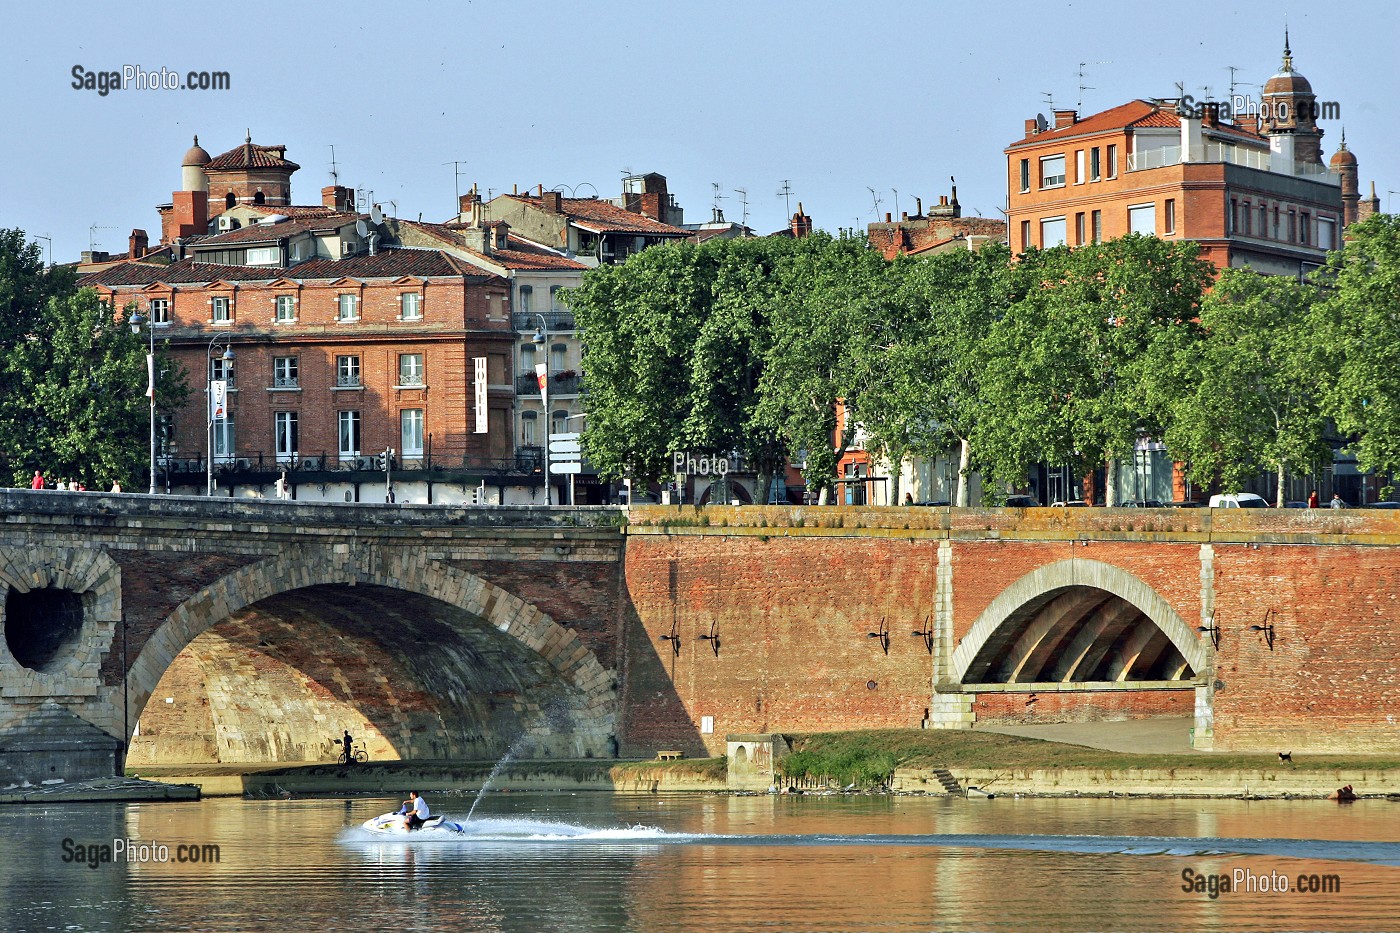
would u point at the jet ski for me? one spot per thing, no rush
(391, 824)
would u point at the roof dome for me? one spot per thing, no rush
(1287, 81)
(1343, 155)
(196, 154)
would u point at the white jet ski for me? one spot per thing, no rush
(391, 824)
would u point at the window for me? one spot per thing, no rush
(1247, 216)
(1326, 233)
(347, 308)
(349, 434)
(1169, 215)
(1263, 220)
(1052, 232)
(264, 256)
(1112, 161)
(527, 360)
(223, 440)
(557, 357)
(1292, 226)
(1098, 226)
(411, 306)
(526, 292)
(284, 372)
(1232, 219)
(1052, 171)
(347, 371)
(560, 422)
(1142, 218)
(411, 432)
(222, 313)
(1276, 226)
(1094, 164)
(160, 310)
(554, 297)
(410, 369)
(1025, 235)
(221, 369)
(1025, 175)
(230, 200)
(527, 428)
(1079, 166)
(1079, 229)
(1305, 229)
(285, 430)
(286, 309)
(258, 198)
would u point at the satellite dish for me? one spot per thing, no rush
(1041, 123)
(376, 216)
(361, 228)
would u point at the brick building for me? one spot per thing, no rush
(941, 229)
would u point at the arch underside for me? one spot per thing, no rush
(408, 675)
(1077, 634)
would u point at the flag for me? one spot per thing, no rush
(542, 376)
(151, 376)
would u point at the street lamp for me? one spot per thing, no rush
(227, 357)
(137, 320)
(542, 371)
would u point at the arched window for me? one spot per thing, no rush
(527, 428)
(258, 198)
(525, 292)
(230, 200)
(559, 423)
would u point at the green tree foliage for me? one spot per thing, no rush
(73, 377)
(1355, 333)
(1068, 367)
(1247, 396)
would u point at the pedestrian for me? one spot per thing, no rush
(1337, 502)
(1312, 499)
(908, 498)
(38, 481)
(116, 485)
(281, 485)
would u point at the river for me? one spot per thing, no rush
(591, 861)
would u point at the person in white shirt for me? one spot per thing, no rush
(417, 809)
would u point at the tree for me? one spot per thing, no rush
(1068, 368)
(71, 378)
(1246, 396)
(1354, 333)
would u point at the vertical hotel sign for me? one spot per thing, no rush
(479, 362)
(218, 400)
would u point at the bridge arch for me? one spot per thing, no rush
(1068, 619)
(483, 637)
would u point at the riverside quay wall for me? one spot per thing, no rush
(1268, 629)
(154, 630)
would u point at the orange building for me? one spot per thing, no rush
(1253, 192)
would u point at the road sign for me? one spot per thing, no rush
(572, 466)
(565, 436)
(563, 449)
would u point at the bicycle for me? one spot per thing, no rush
(358, 756)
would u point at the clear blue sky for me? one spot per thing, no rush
(836, 97)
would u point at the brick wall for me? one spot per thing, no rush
(1081, 706)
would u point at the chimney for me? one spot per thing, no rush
(888, 217)
(918, 207)
(337, 198)
(136, 244)
(904, 217)
(552, 201)
(1210, 113)
(478, 238)
(801, 223)
(1064, 118)
(651, 204)
(1030, 127)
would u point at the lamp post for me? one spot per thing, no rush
(227, 357)
(137, 320)
(542, 372)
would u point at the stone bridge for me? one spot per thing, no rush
(253, 631)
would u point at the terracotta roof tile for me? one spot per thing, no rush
(387, 263)
(250, 155)
(1135, 113)
(267, 233)
(522, 254)
(602, 216)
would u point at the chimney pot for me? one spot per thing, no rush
(888, 217)
(1030, 127)
(1065, 118)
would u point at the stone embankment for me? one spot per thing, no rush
(1153, 782)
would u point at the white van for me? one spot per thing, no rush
(1239, 500)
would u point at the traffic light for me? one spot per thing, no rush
(379, 461)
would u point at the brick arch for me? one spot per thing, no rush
(1086, 573)
(395, 569)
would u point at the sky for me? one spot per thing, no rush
(858, 109)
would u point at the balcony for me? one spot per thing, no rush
(526, 323)
(529, 459)
(348, 382)
(525, 384)
(285, 382)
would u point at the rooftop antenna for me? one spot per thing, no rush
(456, 180)
(49, 241)
(92, 235)
(875, 199)
(717, 196)
(335, 176)
(1079, 104)
(896, 201)
(743, 194)
(1388, 196)
(786, 195)
(1049, 100)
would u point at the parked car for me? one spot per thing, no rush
(1186, 504)
(1299, 505)
(1072, 504)
(1239, 500)
(1022, 502)
(933, 503)
(1144, 504)
(1382, 505)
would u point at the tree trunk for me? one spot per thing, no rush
(964, 461)
(764, 485)
(1279, 503)
(1110, 490)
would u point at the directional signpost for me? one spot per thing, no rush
(566, 457)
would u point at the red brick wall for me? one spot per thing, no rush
(1082, 706)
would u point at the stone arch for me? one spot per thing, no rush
(1078, 572)
(559, 647)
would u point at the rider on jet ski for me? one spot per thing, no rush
(415, 810)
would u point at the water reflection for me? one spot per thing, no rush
(596, 862)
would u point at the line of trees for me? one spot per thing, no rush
(1059, 356)
(72, 377)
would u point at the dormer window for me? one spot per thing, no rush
(410, 306)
